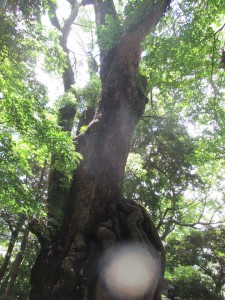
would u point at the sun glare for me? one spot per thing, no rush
(130, 272)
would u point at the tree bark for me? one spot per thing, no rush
(96, 215)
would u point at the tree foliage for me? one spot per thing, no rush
(199, 258)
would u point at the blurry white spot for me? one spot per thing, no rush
(130, 272)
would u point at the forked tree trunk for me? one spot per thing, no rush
(96, 215)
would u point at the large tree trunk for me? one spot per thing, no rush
(96, 215)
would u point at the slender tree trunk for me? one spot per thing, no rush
(4, 284)
(96, 216)
(11, 245)
(220, 281)
(16, 265)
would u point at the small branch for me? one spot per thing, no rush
(216, 211)
(151, 99)
(8, 223)
(92, 39)
(151, 93)
(163, 218)
(202, 212)
(82, 25)
(213, 56)
(205, 40)
(151, 164)
(74, 66)
(155, 117)
(81, 43)
(193, 225)
(41, 179)
(207, 272)
(220, 29)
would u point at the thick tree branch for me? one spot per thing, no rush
(128, 48)
(103, 9)
(53, 17)
(69, 21)
(68, 74)
(137, 31)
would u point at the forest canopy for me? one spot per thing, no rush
(72, 74)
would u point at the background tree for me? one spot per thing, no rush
(200, 257)
(29, 132)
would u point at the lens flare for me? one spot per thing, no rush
(130, 271)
